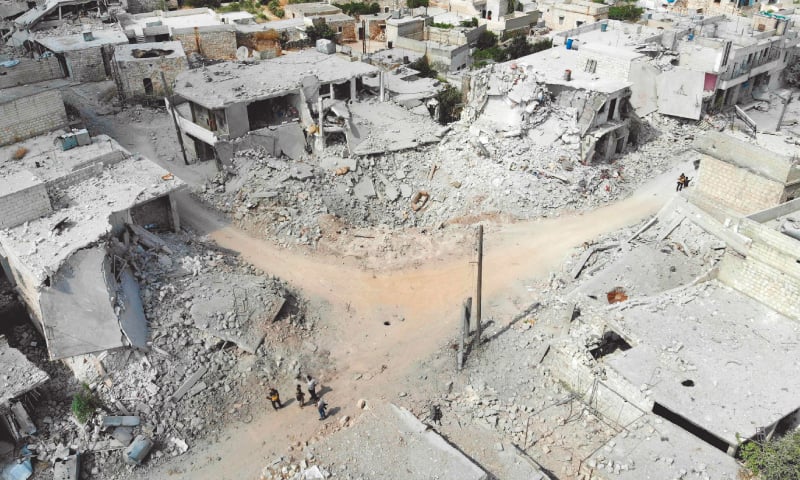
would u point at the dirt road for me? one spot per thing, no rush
(419, 304)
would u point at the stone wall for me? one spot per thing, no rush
(30, 71)
(214, 42)
(86, 65)
(30, 116)
(132, 74)
(24, 205)
(737, 188)
(268, 41)
(144, 6)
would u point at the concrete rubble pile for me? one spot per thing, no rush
(192, 381)
(432, 186)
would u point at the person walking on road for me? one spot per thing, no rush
(321, 406)
(300, 396)
(275, 398)
(312, 388)
(681, 183)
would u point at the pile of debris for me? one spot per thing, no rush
(202, 303)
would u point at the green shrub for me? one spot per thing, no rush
(471, 23)
(625, 11)
(450, 105)
(423, 67)
(359, 8)
(777, 459)
(445, 26)
(274, 6)
(486, 40)
(417, 3)
(83, 404)
(322, 30)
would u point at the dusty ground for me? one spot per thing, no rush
(417, 294)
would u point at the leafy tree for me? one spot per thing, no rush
(471, 23)
(202, 3)
(423, 67)
(777, 459)
(519, 47)
(486, 40)
(450, 105)
(417, 3)
(358, 8)
(542, 45)
(320, 30)
(625, 11)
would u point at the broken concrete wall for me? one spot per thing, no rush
(767, 163)
(30, 71)
(86, 65)
(680, 93)
(32, 115)
(644, 97)
(738, 189)
(238, 121)
(267, 41)
(216, 42)
(22, 200)
(140, 79)
(144, 6)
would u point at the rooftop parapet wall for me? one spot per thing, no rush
(32, 115)
(30, 71)
(758, 160)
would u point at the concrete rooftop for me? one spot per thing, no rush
(229, 83)
(87, 205)
(126, 52)
(76, 42)
(553, 62)
(740, 356)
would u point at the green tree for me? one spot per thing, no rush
(450, 105)
(423, 67)
(625, 11)
(519, 47)
(776, 459)
(471, 23)
(320, 30)
(486, 40)
(417, 3)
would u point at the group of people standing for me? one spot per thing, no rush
(300, 396)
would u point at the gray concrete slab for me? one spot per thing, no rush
(714, 356)
(77, 312)
(18, 374)
(131, 316)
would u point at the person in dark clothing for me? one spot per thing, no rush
(312, 388)
(275, 398)
(321, 406)
(681, 183)
(436, 414)
(300, 396)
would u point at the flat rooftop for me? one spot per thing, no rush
(553, 62)
(714, 356)
(195, 17)
(617, 34)
(67, 43)
(277, 25)
(229, 83)
(132, 52)
(86, 205)
(315, 8)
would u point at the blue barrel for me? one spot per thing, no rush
(569, 44)
(603, 27)
(690, 37)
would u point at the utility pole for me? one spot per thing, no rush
(168, 91)
(478, 328)
(364, 38)
(786, 102)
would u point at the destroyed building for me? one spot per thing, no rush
(59, 206)
(447, 51)
(138, 70)
(50, 13)
(313, 9)
(276, 97)
(20, 377)
(512, 96)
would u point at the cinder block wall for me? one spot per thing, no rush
(770, 273)
(86, 65)
(737, 188)
(30, 116)
(215, 43)
(607, 65)
(133, 73)
(30, 71)
(24, 205)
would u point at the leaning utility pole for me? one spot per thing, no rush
(478, 328)
(168, 91)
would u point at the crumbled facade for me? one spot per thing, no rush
(212, 42)
(568, 14)
(85, 56)
(138, 68)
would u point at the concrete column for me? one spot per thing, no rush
(353, 89)
(176, 220)
(59, 12)
(383, 88)
(333, 95)
(320, 133)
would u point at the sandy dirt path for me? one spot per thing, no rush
(355, 304)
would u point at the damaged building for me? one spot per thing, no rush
(278, 97)
(138, 70)
(85, 57)
(59, 211)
